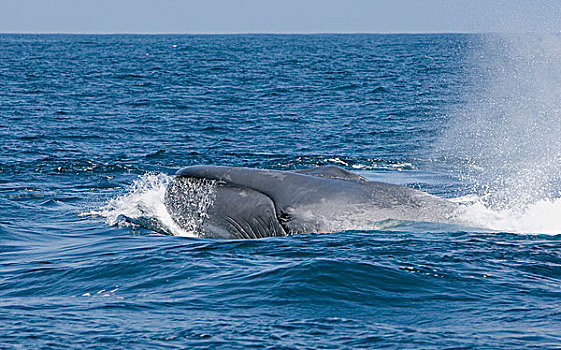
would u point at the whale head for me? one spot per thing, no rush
(237, 203)
(207, 206)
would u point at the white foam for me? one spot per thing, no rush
(541, 217)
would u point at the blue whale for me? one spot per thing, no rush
(245, 203)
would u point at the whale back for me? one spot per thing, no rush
(332, 172)
(286, 189)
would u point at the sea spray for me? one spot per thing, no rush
(143, 203)
(508, 133)
(190, 200)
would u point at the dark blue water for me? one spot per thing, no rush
(92, 127)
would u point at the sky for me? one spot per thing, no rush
(277, 16)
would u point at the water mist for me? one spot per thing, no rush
(507, 134)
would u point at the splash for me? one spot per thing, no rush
(143, 204)
(507, 136)
(541, 217)
(191, 198)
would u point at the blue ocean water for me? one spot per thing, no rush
(93, 127)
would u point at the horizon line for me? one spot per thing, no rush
(236, 33)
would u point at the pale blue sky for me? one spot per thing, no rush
(281, 16)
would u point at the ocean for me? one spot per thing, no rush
(94, 127)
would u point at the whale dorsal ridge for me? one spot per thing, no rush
(332, 172)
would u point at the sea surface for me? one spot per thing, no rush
(93, 127)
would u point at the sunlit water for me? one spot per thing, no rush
(94, 127)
